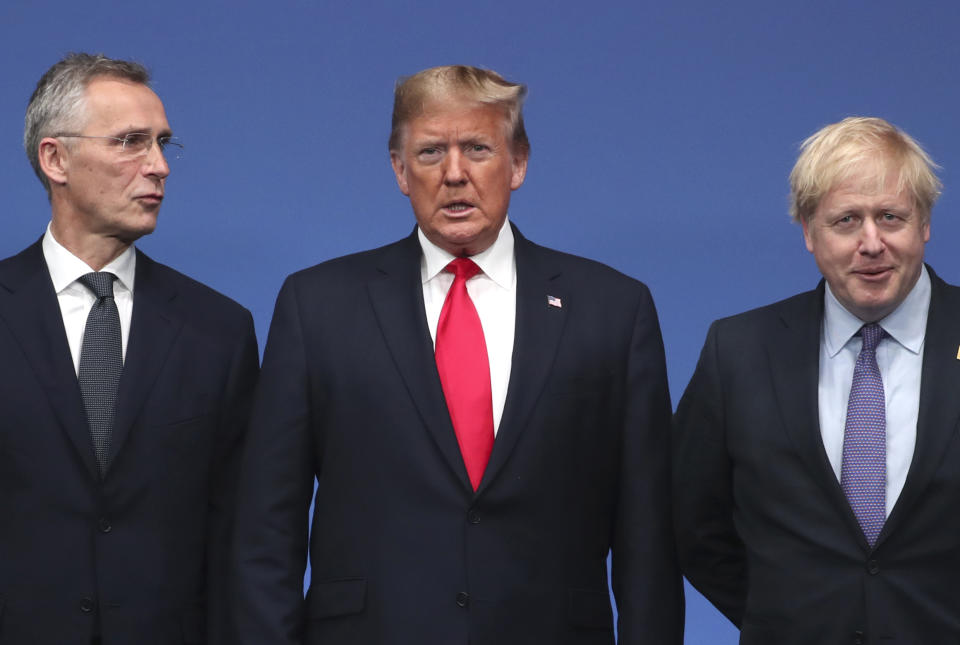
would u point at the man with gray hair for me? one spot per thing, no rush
(817, 468)
(125, 388)
(486, 420)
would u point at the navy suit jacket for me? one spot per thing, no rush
(142, 550)
(402, 549)
(764, 529)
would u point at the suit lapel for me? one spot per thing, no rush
(939, 410)
(28, 306)
(536, 338)
(396, 295)
(795, 372)
(153, 328)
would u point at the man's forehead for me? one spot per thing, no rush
(110, 98)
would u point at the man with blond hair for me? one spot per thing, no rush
(816, 467)
(486, 420)
(125, 388)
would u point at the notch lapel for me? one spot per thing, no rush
(539, 327)
(396, 296)
(794, 358)
(939, 411)
(153, 328)
(28, 306)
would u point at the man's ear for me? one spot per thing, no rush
(400, 170)
(519, 170)
(54, 160)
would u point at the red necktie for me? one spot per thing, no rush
(461, 354)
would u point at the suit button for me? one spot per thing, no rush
(87, 605)
(463, 599)
(104, 525)
(473, 516)
(873, 567)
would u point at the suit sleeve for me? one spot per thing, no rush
(232, 424)
(711, 553)
(646, 579)
(276, 485)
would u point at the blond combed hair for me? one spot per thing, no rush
(414, 93)
(836, 151)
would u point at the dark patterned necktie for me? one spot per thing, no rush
(101, 361)
(461, 355)
(863, 473)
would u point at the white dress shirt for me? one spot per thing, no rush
(76, 300)
(494, 294)
(899, 357)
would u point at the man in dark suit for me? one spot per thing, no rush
(485, 418)
(124, 389)
(817, 468)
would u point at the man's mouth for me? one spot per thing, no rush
(873, 273)
(457, 208)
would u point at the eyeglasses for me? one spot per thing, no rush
(138, 144)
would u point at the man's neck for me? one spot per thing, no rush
(97, 251)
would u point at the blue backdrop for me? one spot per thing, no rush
(662, 133)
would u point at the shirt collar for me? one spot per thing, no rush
(65, 268)
(496, 262)
(906, 324)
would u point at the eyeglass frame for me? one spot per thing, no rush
(163, 142)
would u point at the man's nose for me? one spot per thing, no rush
(454, 171)
(871, 241)
(155, 163)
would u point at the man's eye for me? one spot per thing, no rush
(135, 142)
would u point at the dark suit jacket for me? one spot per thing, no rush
(764, 529)
(141, 551)
(402, 549)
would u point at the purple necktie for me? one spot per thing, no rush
(863, 474)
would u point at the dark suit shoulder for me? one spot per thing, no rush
(16, 268)
(583, 275)
(207, 307)
(362, 263)
(800, 308)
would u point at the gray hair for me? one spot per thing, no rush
(58, 103)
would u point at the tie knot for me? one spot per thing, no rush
(99, 282)
(872, 335)
(463, 268)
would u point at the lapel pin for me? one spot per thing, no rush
(553, 301)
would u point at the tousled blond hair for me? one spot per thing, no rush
(834, 152)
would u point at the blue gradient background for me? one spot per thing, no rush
(662, 133)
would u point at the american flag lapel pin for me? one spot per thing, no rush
(553, 301)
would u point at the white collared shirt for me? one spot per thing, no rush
(76, 300)
(900, 359)
(494, 294)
